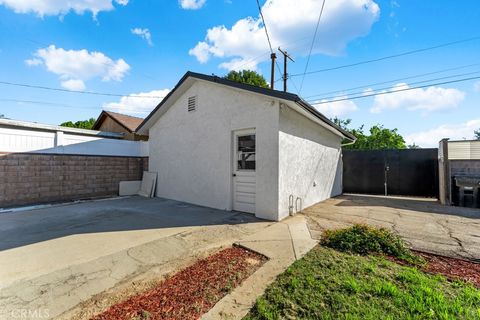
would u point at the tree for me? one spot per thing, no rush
(477, 134)
(2, 116)
(342, 123)
(83, 124)
(248, 77)
(379, 137)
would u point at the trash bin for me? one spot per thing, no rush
(468, 191)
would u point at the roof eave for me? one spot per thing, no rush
(273, 93)
(347, 135)
(99, 120)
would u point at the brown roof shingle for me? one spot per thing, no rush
(129, 122)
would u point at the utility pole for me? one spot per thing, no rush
(272, 79)
(285, 74)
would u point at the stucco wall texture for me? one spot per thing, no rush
(192, 151)
(42, 178)
(310, 165)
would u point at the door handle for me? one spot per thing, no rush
(234, 175)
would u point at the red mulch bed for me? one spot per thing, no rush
(451, 268)
(191, 292)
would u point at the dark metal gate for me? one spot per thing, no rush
(408, 172)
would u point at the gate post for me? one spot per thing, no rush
(444, 173)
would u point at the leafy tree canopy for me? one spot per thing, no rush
(83, 124)
(248, 77)
(477, 134)
(379, 137)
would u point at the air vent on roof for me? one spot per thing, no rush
(192, 103)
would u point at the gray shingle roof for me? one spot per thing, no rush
(265, 91)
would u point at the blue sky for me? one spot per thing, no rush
(142, 48)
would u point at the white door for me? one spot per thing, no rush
(244, 162)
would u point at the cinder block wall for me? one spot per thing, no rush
(40, 178)
(465, 167)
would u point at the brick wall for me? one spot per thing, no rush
(39, 178)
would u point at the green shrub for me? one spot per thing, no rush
(364, 240)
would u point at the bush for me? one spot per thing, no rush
(364, 240)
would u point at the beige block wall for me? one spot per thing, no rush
(40, 178)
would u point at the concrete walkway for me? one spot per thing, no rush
(283, 243)
(52, 259)
(425, 224)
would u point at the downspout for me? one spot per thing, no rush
(349, 143)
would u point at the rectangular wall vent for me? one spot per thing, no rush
(192, 103)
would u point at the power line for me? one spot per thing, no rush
(26, 85)
(293, 82)
(388, 57)
(264, 26)
(62, 105)
(393, 91)
(310, 101)
(266, 33)
(267, 53)
(413, 83)
(48, 103)
(311, 47)
(366, 86)
(250, 60)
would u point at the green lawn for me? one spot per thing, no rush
(327, 284)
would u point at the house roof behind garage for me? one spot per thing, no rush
(264, 91)
(130, 123)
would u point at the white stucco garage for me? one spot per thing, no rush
(233, 146)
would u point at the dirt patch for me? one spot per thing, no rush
(191, 292)
(452, 268)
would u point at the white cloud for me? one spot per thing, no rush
(336, 109)
(290, 23)
(138, 104)
(79, 64)
(144, 34)
(430, 138)
(427, 100)
(368, 92)
(201, 51)
(192, 4)
(73, 84)
(60, 7)
(239, 64)
(476, 86)
(33, 62)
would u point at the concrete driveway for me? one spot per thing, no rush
(424, 223)
(51, 259)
